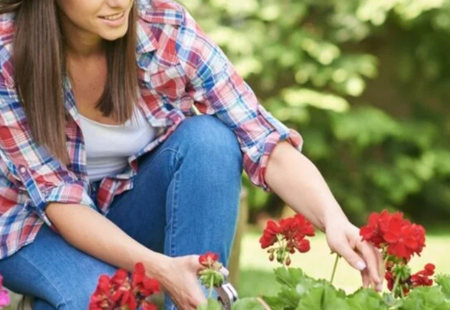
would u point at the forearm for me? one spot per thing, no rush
(94, 234)
(296, 180)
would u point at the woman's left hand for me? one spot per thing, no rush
(344, 239)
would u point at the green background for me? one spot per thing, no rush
(366, 83)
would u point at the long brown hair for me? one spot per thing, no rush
(39, 66)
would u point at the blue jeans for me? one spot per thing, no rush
(184, 201)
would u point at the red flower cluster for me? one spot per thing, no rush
(398, 240)
(290, 234)
(418, 279)
(119, 293)
(391, 231)
(212, 275)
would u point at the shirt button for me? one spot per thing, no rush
(22, 169)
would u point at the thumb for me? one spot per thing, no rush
(351, 257)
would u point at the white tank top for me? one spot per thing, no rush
(109, 146)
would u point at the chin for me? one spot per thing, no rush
(114, 35)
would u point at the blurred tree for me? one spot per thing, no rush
(366, 82)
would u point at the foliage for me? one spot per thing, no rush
(300, 292)
(364, 81)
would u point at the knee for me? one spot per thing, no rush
(206, 137)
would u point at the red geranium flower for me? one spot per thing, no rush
(148, 306)
(421, 278)
(290, 233)
(269, 236)
(304, 226)
(404, 239)
(378, 226)
(389, 276)
(122, 290)
(119, 292)
(208, 259)
(101, 299)
(142, 284)
(394, 233)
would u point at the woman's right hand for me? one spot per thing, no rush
(179, 280)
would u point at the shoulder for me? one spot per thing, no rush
(168, 26)
(161, 12)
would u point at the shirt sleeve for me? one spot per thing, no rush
(218, 89)
(43, 177)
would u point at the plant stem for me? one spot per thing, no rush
(263, 303)
(334, 268)
(211, 287)
(397, 281)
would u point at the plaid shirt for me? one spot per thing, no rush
(180, 71)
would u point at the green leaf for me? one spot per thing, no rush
(366, 299)
(312, 300)
(323, 297)
(248, 304)
(211, 305)
(289, 277)
(426, 298)
(444, 282)
(334, 300)
(274, 302)
(290, 297)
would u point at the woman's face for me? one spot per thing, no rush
(107, 19)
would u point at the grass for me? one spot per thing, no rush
(257, 275)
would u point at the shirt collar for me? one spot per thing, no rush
(146, 41)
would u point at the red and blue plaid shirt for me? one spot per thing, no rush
(179, 69)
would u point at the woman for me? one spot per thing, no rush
(103, 164)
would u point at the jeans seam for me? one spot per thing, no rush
(173, 209)
(173, 206)
(64, 303)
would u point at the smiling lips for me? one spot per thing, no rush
(113, 17)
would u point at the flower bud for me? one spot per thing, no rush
(288, 261)
(280, 257)
(271, 257)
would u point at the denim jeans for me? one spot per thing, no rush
(184, 201)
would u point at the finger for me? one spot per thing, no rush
(194, 264)
(365, 278)
(381, 268)
(350, 255)
(372, 262)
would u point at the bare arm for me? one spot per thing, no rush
(299, 183)
(92, 233)
(89, 231)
